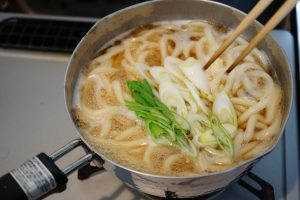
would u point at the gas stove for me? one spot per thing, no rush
(33, 119)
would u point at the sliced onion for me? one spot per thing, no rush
(170, 95)
(231, 129)
(194, 92)
(172, 64)
(198, 117)
(160, 74)
(192, 69)
(192, 105)
(224, 110)
(207, 137)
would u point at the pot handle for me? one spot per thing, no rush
(40, 176)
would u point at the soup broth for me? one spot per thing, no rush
(226, 118)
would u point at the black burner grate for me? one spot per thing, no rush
(42, 34)
(210, 196)
(265, 192)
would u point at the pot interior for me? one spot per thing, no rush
(120, 22)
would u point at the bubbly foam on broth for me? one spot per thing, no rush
(107, 124)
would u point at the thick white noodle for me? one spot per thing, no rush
(150, 54)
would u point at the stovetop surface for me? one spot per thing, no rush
(33, 119)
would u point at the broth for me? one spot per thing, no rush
(246, 102)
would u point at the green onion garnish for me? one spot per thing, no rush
(160, 121)
(222, 136)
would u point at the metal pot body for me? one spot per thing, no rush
(168, 10)
(175, 187)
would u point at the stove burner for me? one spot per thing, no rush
(265, 192)
(169, 195)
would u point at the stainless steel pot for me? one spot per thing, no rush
(145, 13)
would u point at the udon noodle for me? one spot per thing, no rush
(155, 52)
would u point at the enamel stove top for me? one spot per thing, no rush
(33, 119)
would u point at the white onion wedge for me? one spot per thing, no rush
(224, 110)
(160, 74)
(170, 95)
(192, 69)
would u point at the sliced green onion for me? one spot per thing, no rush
(222, 136)
(162, 124)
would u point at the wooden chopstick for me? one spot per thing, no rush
(279, 15)
(253, 14)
